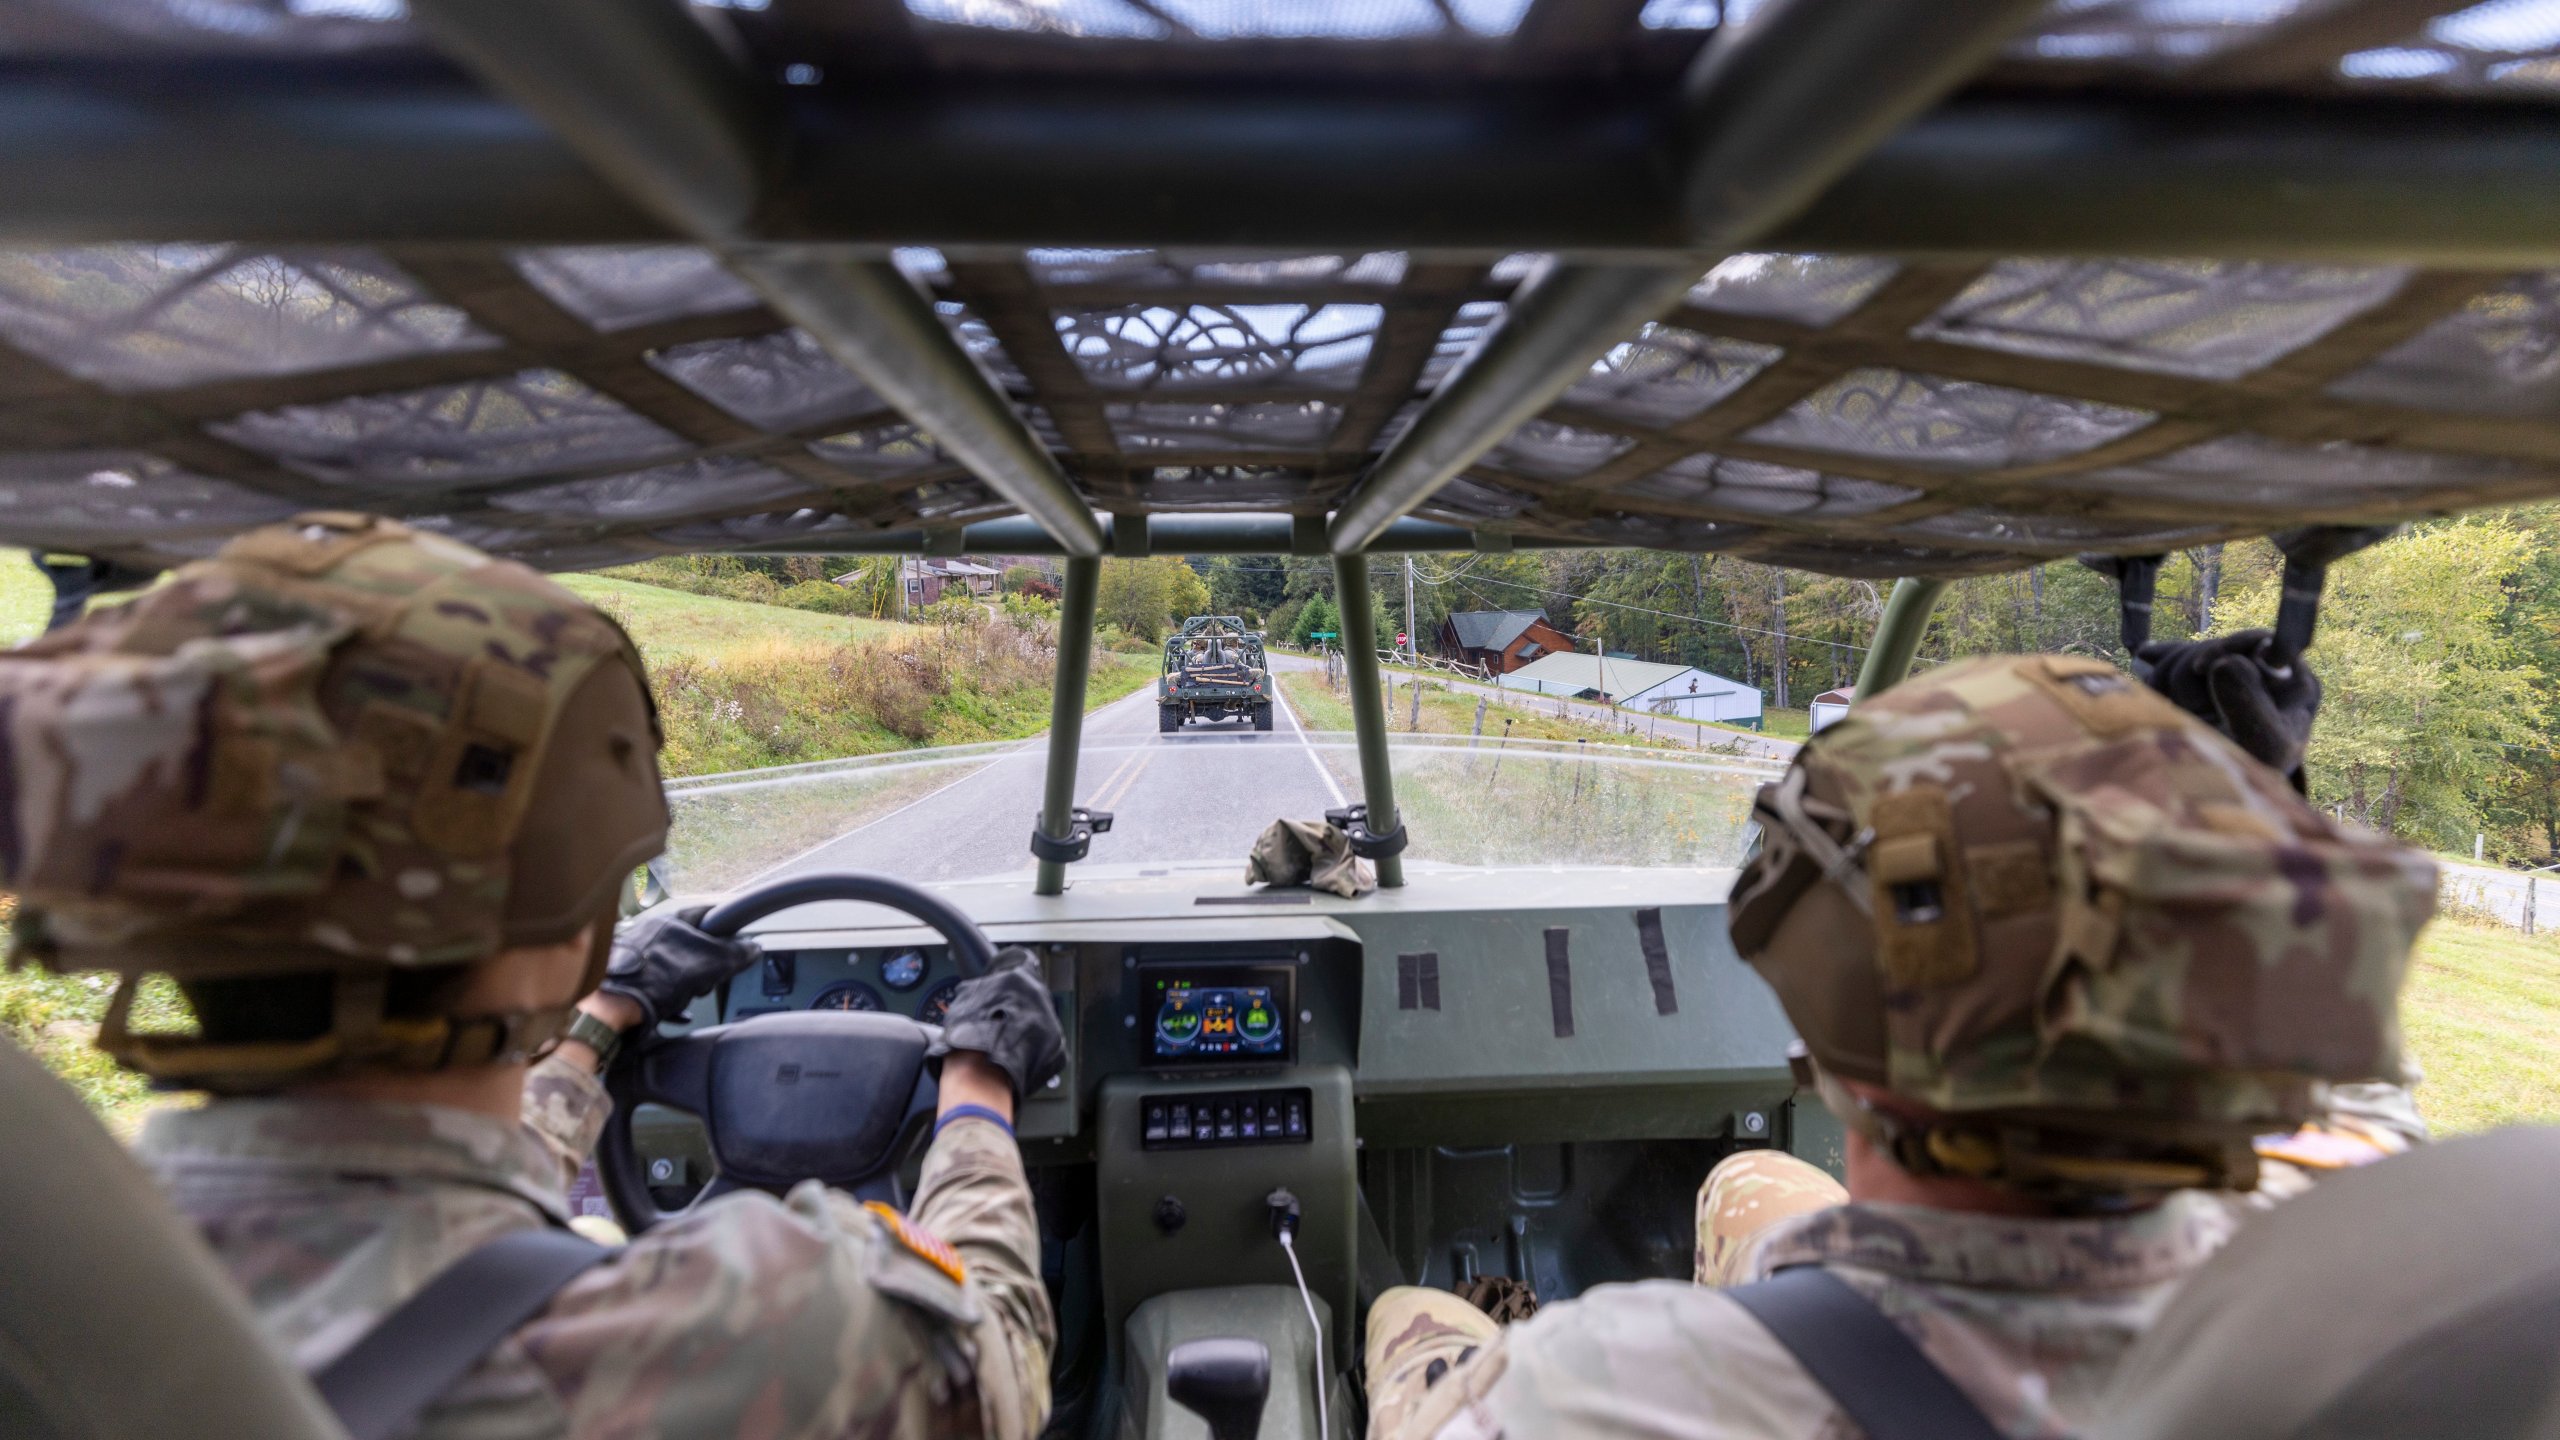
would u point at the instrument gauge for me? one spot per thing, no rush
(902, 969)
(847, 995)
(937, 1003)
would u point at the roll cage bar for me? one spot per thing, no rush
(1820, 124)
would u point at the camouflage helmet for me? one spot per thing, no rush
(338, 746)
(2092, 941)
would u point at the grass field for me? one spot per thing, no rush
(670, 623)
(26, 597)
(1453, 712)
(2482, 1013)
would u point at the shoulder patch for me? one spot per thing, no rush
(919, 1242)
(915, 1266)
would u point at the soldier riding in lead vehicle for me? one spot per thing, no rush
(1213, 670)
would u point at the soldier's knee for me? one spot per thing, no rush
(1746, 1193)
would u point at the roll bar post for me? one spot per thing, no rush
(1368, 707)
(1906, 618)
(1066, 713)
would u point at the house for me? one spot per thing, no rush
(966, 575)
(1682, 690)
(1828, 707)
(929, 580)
(1500, 640)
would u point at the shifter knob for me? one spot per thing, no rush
(1223, 1382)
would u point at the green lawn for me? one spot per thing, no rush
(26, 598)
(2482, 1013)
(670, 623)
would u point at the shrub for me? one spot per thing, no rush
(1028, 580)
(953, 610)
(1023, 606)
(823, 596)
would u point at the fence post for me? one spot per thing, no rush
(1481, 702)
(2529, 897)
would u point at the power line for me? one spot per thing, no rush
(1789, 636)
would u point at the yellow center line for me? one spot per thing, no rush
(1114, 797)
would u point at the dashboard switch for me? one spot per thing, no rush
(1252, 1117)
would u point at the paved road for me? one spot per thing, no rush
(1203, 792)
(1705, 737)
(2503, 893)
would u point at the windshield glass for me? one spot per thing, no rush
(1198, 794)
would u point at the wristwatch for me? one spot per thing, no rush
(597, 1036)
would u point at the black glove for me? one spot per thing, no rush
(2230, 683)
(1007, 1016)
(665, 961)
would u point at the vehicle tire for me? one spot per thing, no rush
(1168, 719)
(1262, 716)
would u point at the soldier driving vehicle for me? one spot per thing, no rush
(372, 373)
(401, 1020)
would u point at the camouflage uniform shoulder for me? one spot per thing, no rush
(1661, 1358)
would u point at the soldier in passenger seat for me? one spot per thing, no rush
(2058, 953)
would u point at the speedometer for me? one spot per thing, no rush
(937, 1002)
(902, 969)
(847, 995)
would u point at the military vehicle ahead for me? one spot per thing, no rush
(1213, 670)
(1865, 287)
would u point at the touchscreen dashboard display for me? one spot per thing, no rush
(1214, 1014)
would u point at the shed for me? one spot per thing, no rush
(1682, 690)
(1829, 706)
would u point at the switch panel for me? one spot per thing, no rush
(1236, 1117)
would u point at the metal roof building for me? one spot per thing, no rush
(1681, 690)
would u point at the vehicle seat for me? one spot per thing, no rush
(115, 1322)
(2419, 1295)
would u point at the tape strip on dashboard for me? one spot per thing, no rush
(1418, 981)
(1657, 962)
(1560, 979)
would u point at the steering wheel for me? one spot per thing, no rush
(832, 1095)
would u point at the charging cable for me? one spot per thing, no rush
(1284, 1224)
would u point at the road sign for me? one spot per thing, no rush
(1324, 634)
(1399, 637)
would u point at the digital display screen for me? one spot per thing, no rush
(1218, 1015)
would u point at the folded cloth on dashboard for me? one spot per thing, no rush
(1316, 853)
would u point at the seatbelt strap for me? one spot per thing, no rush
(1871, 1369)
(419, 1351)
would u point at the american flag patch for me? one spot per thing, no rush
(920, 1243)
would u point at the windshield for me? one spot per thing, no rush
(1198, 794)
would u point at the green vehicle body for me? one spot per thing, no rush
(1213, 670)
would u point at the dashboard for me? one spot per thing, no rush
(917, 981)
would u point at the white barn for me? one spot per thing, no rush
(1683, 690)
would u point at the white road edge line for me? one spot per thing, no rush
(1306, 744)
(1036, 745)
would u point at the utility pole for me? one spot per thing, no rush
(1412, 625)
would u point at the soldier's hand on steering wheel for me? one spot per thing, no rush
(1007, 1016)
(664, 961)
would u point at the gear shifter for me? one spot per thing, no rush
(1223, 1382)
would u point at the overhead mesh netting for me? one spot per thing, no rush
(1853, 413)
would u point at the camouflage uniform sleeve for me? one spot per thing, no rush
(565, 1107)
(813, 1318)
(975, 1198)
